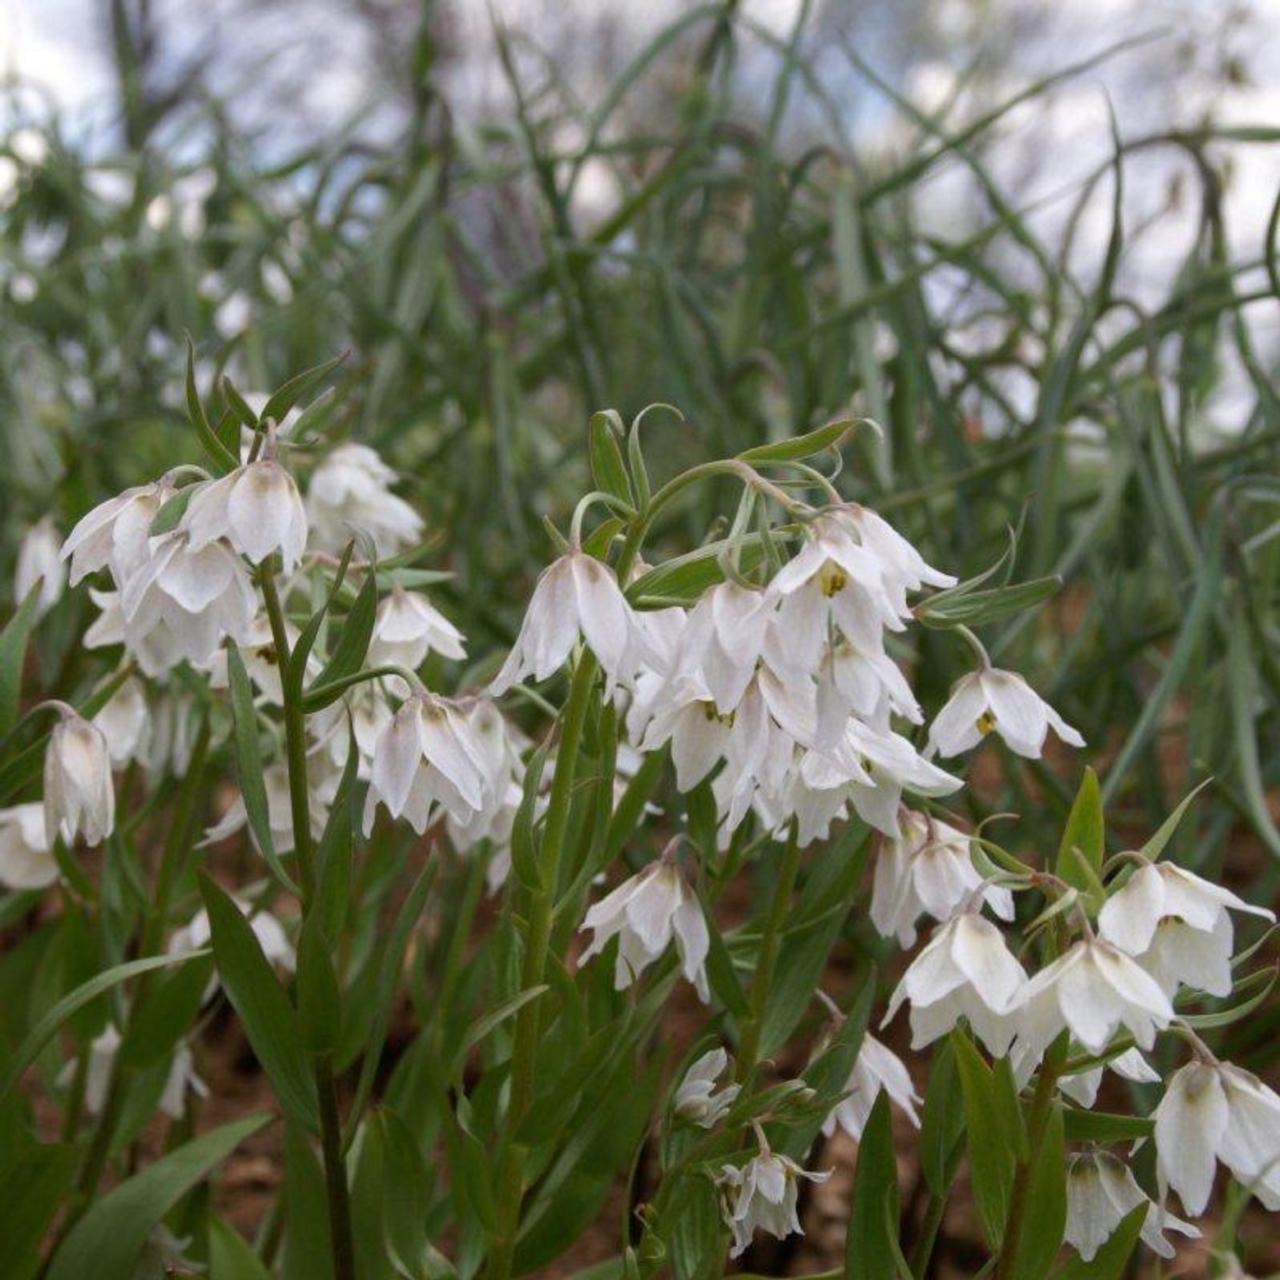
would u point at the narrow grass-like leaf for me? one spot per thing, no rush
(106, 1242)
(265, 1012)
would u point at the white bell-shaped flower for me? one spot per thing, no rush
(927, 868)
(1177, 925)
(182, 1078)
(500, 746)
(645, 913)
(723, 639)
(114, 535)
(762, 1195)
(39, 561)
(182, 602)
(1101, 1193)
(350, 492)
(1082, 1087)
(877, 1067)
(576, 596)
(124, 722)
(257, 508)
(427, 756)
(1211, 1112)
(26, 858)
(685, 715)
(965, 971)
(698, 1098)
(79, 798)
(993, 700)
(408, 627)
(1093, 990)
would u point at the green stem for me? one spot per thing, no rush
(341, 1241)
(295, 736)
(1041, 1102)
(541, 908)
(295, 733)
(767, 959)
(928, 1236)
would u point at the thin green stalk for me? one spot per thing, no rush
(767, 961)
(295, 734)
(341, 1240)
(541, 908)
(1019, 1207)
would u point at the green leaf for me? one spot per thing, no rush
(306, 1242)
(693, 1230)
(230, 1256)
(991, 1151)
(406, 1188)
(798, 447)
(319, 999)
(721, 975)
(333, 853)
(1084, 831)
(291, 392)
(871, 1237)
(524, 855)
(1099, 1126)
(31, 1189)
(349, 652)
(486, 1024)
(1112, 1260)
(942, 1123)
(222, 458)
(166, 1013)
(13, 657)
(249, 765)
(296, 672)
(1155, 846)
(171, 513)
(265, 1012)
(1046, 1219)
(608, 470)
(976, 607)
(44, 1030)
(106, 1242)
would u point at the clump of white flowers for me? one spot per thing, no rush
(257, 618)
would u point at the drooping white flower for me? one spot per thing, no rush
(257, 508)
(993, 700)
(102, 1052)
(427, 755)
(575, 596)
(408, 627)
(182, 603)
(322, 784)
(877, 1067)
(1093, 989)
(1216, 1111)
(115, 533)
(645, 913)
(500, 746)
(124, 722)
(350, 491)
(1083, 1086)
(1101, 1193)
(927, 867)
(965, 971)
(172, 738)
(852, 681)
(723, 638)
(275, 944)
(39, 561)
(1177, 925)
(182, 1076)
(79, 798)
(762, 1195)
(687, 718)
(697, 1098)
(26, 859)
